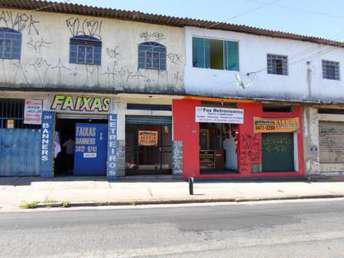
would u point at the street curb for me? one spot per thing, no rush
(186, 201)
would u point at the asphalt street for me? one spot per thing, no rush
(284, 229)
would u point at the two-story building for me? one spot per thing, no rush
(95, 91)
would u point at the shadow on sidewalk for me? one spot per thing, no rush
(26, 181)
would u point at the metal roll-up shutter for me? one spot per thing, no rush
(149, 120)
(331, 142)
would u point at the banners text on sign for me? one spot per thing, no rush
(219, 115)
(278, 125)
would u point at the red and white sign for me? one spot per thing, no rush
(33, 111)
(219, 115)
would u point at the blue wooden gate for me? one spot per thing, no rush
(20, 152)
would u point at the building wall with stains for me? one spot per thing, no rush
(45, 63)
(303, 82)
(323, 136)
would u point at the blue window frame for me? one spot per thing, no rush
(152, 55)
(10, 44)
(85, 50)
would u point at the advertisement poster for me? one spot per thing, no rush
(219, 115)
(271, 125)
(148, 138)
(33, 111)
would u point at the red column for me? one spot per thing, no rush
(185, 129)
(249, 147)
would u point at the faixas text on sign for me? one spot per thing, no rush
(81, 103)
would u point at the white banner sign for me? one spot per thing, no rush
(33, 111)
(219, 115)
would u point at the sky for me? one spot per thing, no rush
(307, 17)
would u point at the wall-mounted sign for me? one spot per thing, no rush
(278, 125)
(148, 138)
(33, 111)
(10, 124)
(219, 115)
(92, 104)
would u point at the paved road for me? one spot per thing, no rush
(288, 229)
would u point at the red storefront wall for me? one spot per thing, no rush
(249, 145)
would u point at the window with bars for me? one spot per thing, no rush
(152, 55)
(277, 64)
(12, 114)
(85, 50)
(330, 70)
(10, 44)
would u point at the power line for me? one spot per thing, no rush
(302, 9)
(254, 9)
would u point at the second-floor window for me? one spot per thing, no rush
(85, 50)
(152, 55)
(215, 54)
(10, 44)
(330, 70)
(277, 64)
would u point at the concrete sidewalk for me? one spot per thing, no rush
(98, 191)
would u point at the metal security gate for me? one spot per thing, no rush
(331, 143)
(278, 152)
(148, 145)
(19, 152)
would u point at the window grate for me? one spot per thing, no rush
(277, 64)
(10, 44)
(152, 55)
(330, 70)
(12, 114)
(85, 50)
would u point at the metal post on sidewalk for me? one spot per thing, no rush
(191, 182)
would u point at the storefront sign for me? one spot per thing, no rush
(33, 111)
(47, 141)
(278, 125)
(81, 103)
(148, 138)
(219, 115)
(10, 124)
(112, 146)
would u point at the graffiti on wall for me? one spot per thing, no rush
(37, 45)
(152, 36)
(116, 70)
(86, 26)
(249, 151)
(19, 21)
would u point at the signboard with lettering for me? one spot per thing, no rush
(33, 111)
(219, 115)
(47, 140)
(148, 138)
(86, 104)
(275, 125)
(90, 149)
(112, 156)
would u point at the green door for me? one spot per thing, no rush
(278, 152)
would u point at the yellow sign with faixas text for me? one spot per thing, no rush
(91, 104)
(275, 125)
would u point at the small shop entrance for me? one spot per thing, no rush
(148, 145)
(278, 152)
(80, 146)
(218, 148)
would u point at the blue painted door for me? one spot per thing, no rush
(20, 152)
(90, 149)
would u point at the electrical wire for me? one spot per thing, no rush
(254, 9)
